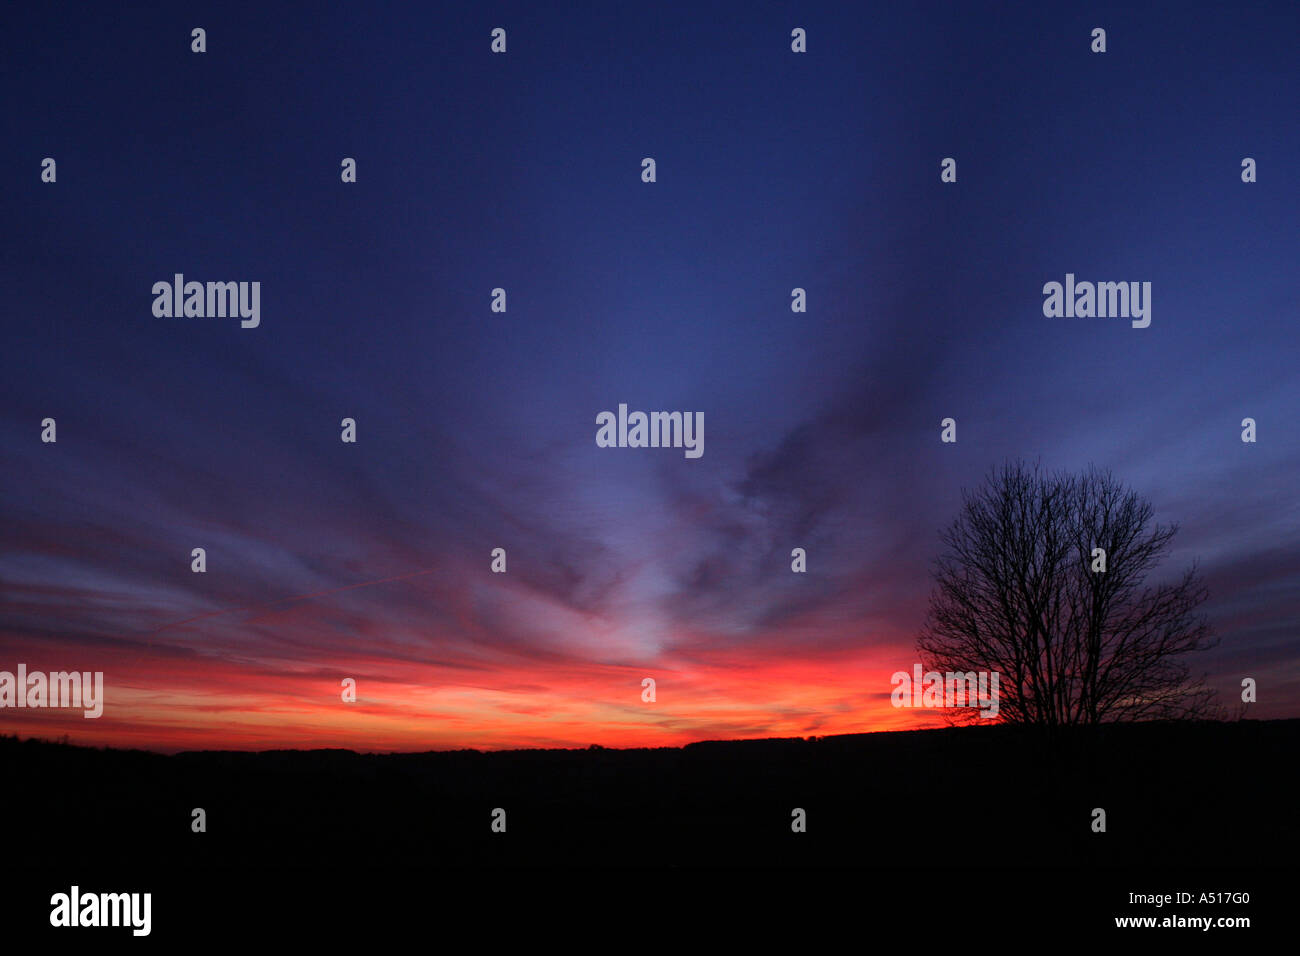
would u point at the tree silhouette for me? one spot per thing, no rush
(1017, 593)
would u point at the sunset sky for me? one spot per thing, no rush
(476, 430)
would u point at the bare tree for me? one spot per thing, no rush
(1020, 592)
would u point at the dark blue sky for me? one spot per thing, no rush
(476, 429)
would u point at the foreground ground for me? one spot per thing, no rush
(1195, 794)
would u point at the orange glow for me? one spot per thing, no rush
(191, 703)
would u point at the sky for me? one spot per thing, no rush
(476, 429)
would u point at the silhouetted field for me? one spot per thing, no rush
(1174, 795)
